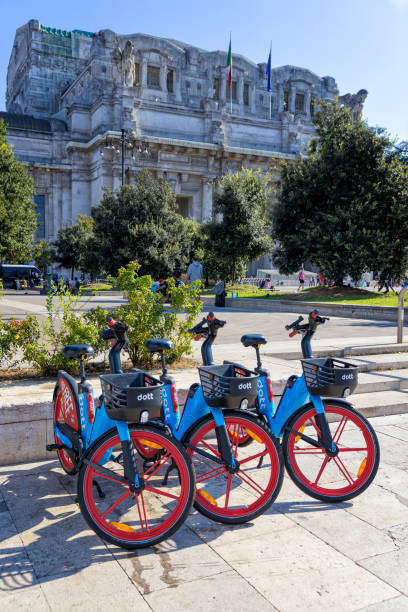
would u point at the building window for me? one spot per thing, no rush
(39, 201)
(232, 91)
(183, 203)
(198, 86)
(187, 84)
(137, 74)
(153, 76)
(261, 99)
(216, 89)
(246, 94)
(285, 100)
(170, 81)
(299, 103)
(312, 106)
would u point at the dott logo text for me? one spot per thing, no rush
(146, 396)
(245, 386)
(347, 376)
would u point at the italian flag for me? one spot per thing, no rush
(229, 65)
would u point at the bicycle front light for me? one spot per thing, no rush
(346, 392)
(144, 417)
(244, 404)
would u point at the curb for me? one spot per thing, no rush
(352, 311)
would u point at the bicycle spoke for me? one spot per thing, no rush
(343, 470)
(206, 476)
(211, 448)
(227, 494)
(117, 502)
(159, 464)
(308, 451)
(347, 450)
(144, 512)
(326, 459)
(235, 443)
(340, 429)
(160, 492)
(314, 424)
(249, 481)
(261, 454)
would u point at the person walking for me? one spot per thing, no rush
(301, 280)
(194, 271)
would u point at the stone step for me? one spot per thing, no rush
(378, 350)
(380, 403)
(386, 380)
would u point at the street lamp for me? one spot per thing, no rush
(138, 149)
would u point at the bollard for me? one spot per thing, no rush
(401, 314)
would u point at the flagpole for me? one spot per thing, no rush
(231, 76)
(270, 93)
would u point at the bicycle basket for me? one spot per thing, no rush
(126, 396)
(330, 377)
(225, 386)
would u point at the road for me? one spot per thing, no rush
(16, 304)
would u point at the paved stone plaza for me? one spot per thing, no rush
(301, 554)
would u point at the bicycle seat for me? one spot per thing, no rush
(253, 339)
(77, 351)
(158, 345)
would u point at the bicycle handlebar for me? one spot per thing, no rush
(212, 326)
(117, 331)
(313, 321)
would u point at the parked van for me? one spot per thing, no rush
(11, 275)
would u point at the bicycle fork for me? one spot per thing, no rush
(322, 423)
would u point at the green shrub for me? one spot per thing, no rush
(147, 316)
(15, 336)
(63, 325)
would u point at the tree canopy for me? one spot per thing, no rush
(140, 222)
(344, 207)
(18, 219)
(72, 242)
(241, 233)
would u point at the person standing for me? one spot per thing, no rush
(194, 271)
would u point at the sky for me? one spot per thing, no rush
(363, 44)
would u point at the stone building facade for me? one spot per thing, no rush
(71, 95)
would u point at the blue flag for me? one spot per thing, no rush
(268, 70)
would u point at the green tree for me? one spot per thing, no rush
(140, 222)
(72, 242)
(242, 233)
(18, 219)
(344, 207)
(43, 254)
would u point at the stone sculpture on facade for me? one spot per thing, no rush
(124, 64)
(355, 102)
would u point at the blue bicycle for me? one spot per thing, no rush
(230, 486)
(331, 451)
(126, 500)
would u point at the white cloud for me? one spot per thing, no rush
(400, 4)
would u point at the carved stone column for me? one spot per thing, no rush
(177, 85)
(143, 76)
(292, 98)
(308, 97)
(223, 87)
(163, 75)
(241, 90)
(207, 194)
(280, 98)
(252, 101)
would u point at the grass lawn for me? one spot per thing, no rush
(340, 295)
(99, 287)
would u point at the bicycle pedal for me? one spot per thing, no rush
(54, 447)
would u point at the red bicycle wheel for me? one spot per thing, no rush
(242, 496)
(65, 415)
(136, 520)
(332, 478)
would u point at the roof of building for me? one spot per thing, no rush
(17, 121)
